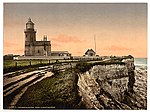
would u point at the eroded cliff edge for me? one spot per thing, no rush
(110, 86)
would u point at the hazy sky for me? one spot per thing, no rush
(120, 29)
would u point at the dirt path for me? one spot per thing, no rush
(14, 87)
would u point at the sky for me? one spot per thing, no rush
(119, 29)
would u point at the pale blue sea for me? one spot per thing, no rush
(140, 61)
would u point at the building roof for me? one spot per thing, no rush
(89, 50)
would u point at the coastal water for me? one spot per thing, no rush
(140, 61)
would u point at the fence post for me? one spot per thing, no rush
(30, 62)
(71, 65)
(57, 61)
(16, 63)
(53, 68)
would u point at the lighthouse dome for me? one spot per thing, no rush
(29, 24)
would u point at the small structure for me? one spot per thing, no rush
(60, 53)
(90, 52)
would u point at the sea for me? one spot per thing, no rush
(140, 61)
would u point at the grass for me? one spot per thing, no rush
(84, 66)
(10, 65)
(25, 68)
(59, 91)
(13, 65)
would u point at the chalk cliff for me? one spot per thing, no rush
(109, 86)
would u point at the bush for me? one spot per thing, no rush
(83, 67)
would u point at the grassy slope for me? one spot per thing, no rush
(12, 63)
(59, 91)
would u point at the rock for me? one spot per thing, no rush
(113, 87)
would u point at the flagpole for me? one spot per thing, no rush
(95, 43)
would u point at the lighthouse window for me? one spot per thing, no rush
(31, 38)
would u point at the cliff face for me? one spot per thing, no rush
(106, 86)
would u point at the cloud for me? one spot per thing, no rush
(67, 39)
(9, 44)
(20, 50)
(56, 45)
(79, 53)
(117, 48)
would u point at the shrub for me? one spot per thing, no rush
(83, 67)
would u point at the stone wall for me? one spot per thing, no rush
(39, 51)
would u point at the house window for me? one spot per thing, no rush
(91, 54)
